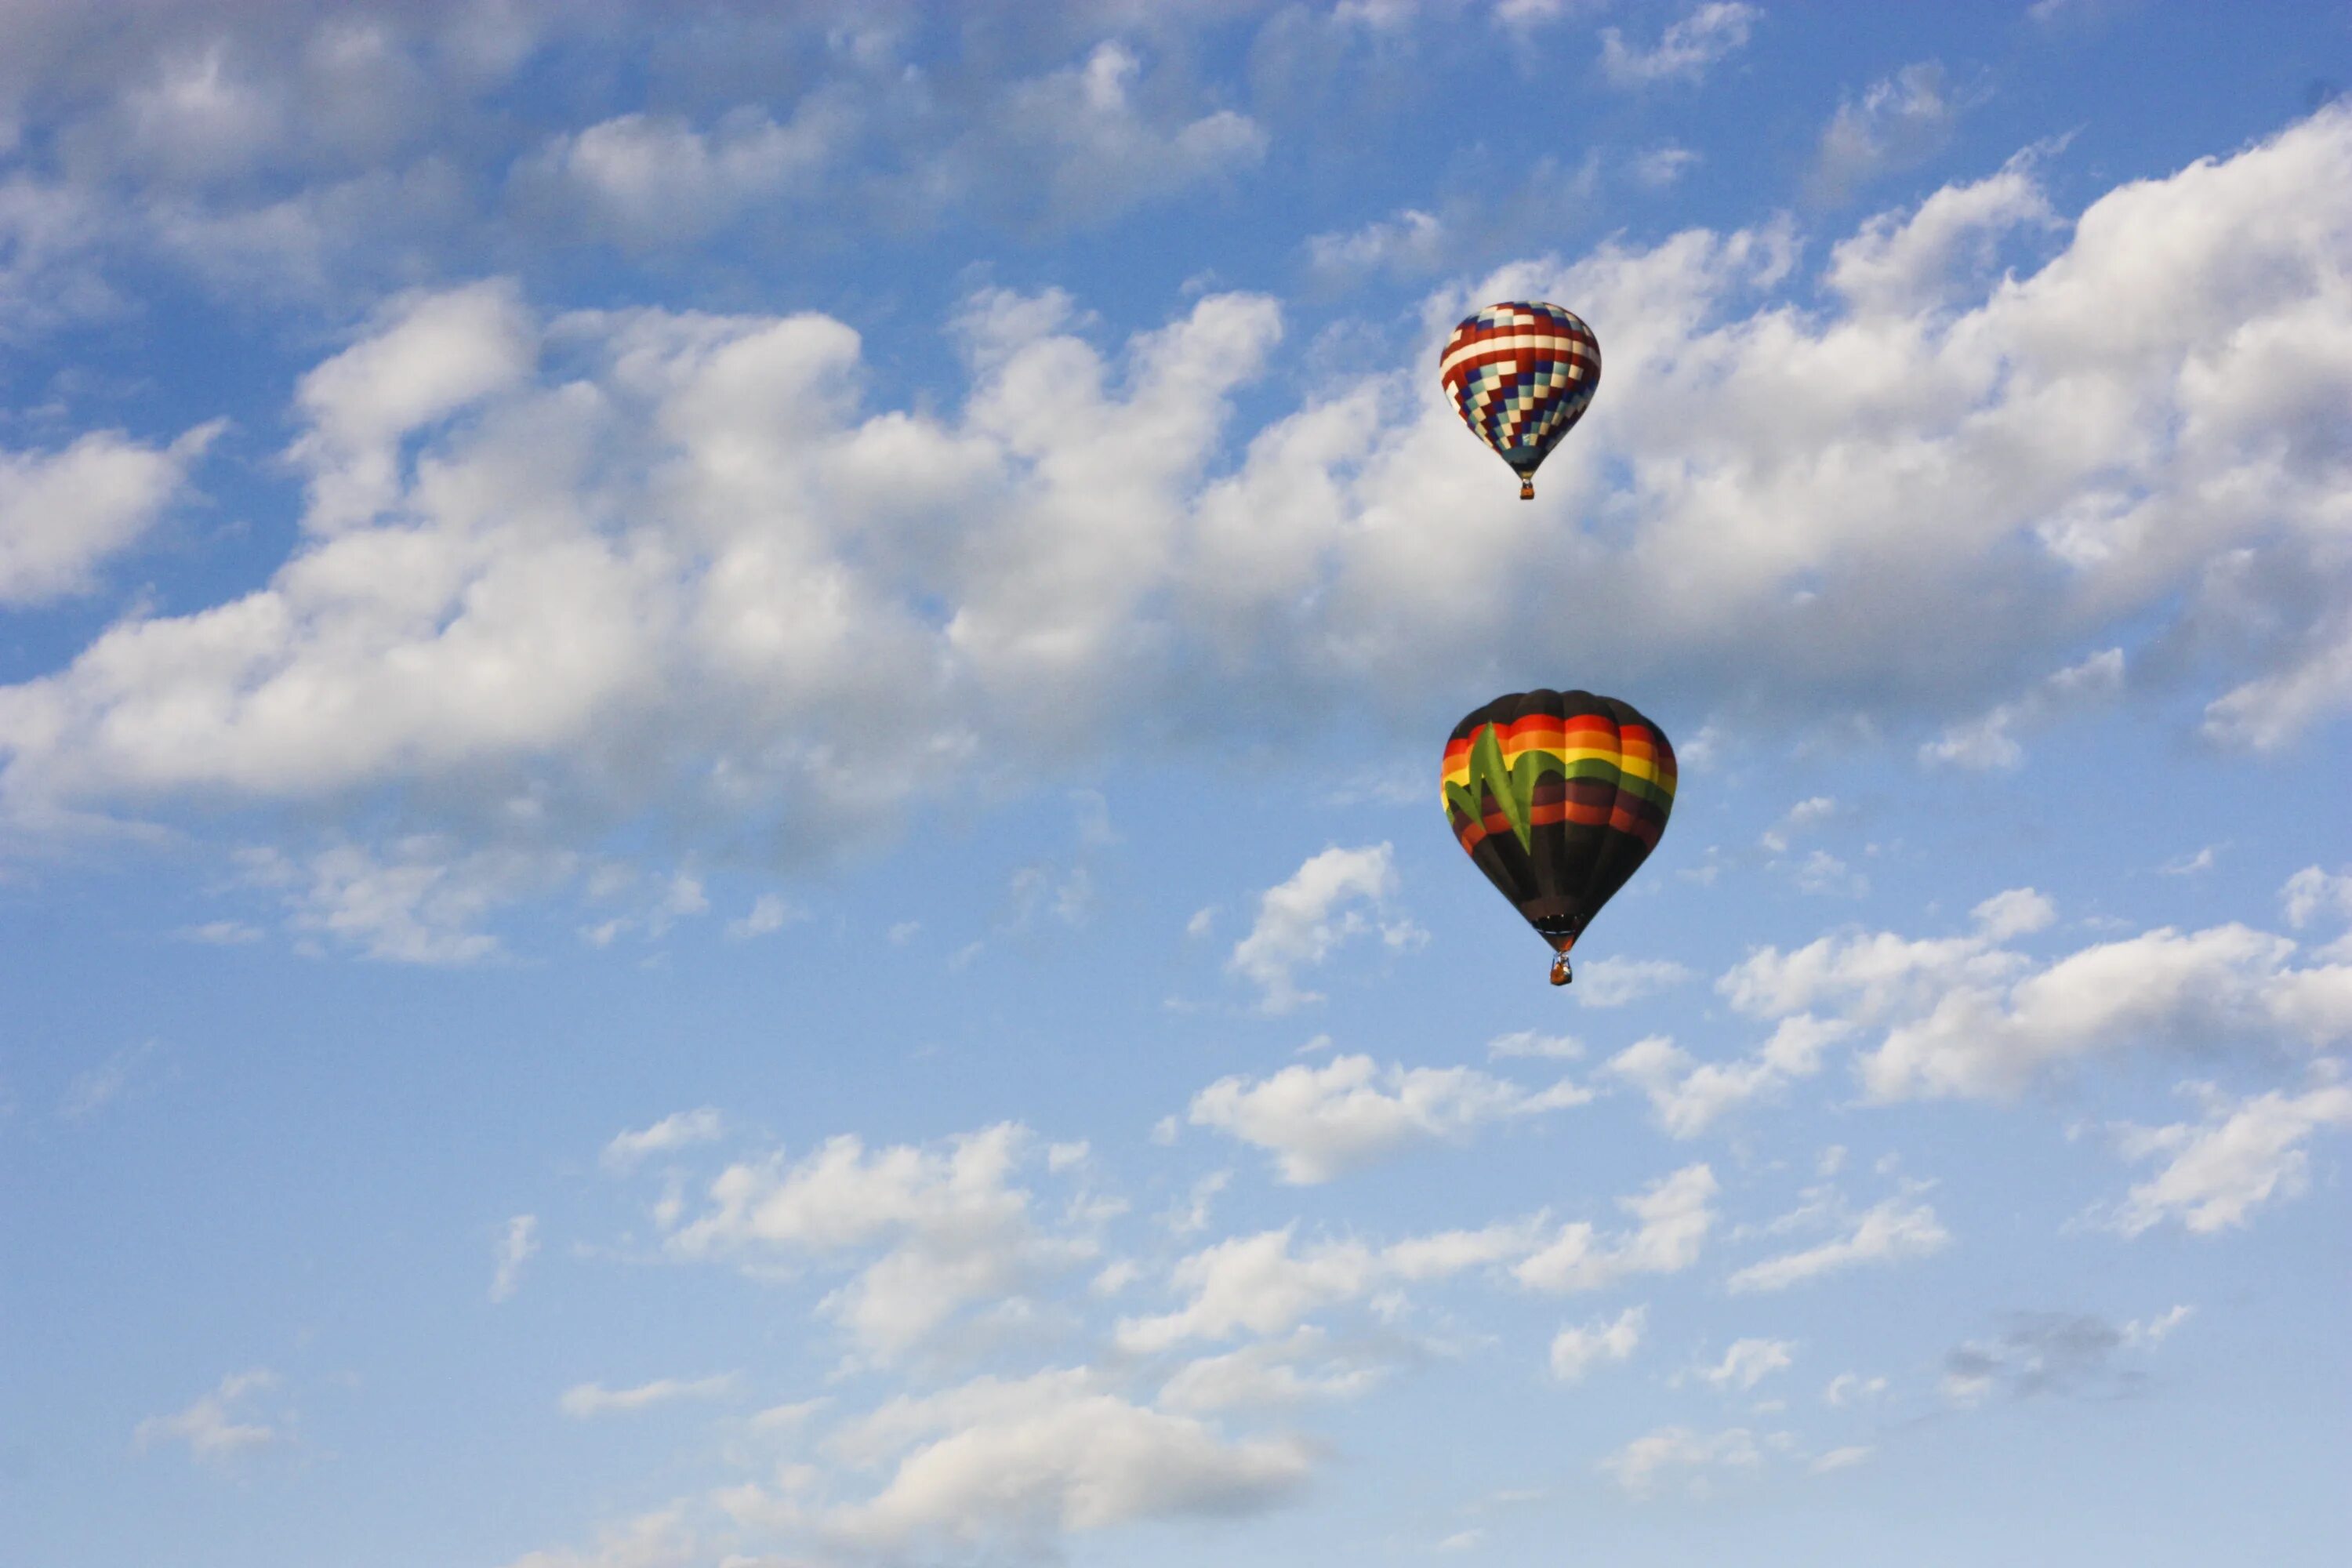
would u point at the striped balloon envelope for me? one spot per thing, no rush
(1559, 797)
(1521, 374)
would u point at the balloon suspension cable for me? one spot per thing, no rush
(1527, 489)
(1559, 974)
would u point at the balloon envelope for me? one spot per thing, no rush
(1521, 374)
(1559, 797)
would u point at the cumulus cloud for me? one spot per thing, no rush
(1614, 982)
(421, 899)
(1661, 166)
(1672, 1217)
(1987, 742)
(1322, 1122)
(220, 1425)
(518, 1242)
(1643, 1466)
(1336, 896)
(651, 180)
(658, 1538)
(678, 1129)
(541, 554)
(2241, 1155)
(1687, 1095)
(1274, 1373)
(1528, 1043)
(1685, 51)
(64, 514)
(1085, 143)
(1048, 1456)
(1890, 1231)
(1970, 1017)
(2313, 892)
(1576, 1350)
(769, 912)
(1411, 242)
(1260, 1285)
(2223, 985)
(944, 1228)
(1747, 1363)
(1898, 122)
(1916, 262)
(587, 1401)
(120, 1073)
(1851, 1388)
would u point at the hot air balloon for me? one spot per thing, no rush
(1559, 797)
(1521, 374)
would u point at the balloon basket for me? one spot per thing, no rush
(1559, 974)
(1527, 489)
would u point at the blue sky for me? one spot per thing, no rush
(717, 823)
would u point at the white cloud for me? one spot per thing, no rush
(1688, 1096)
(768, 912)
(652, 180)
(949, 1228)
(518, 1242)
(679, 1129)
(2165, 986)
(1748, 1363)
(1528, 1043)
(1685, 51)
(1889, 1232)
(1879, 975)
(1643, 1466)
(1805, 815)
(419, 899)
(1614, 982)
(2242, 1156)
(1851, 1388)
(659, 1538)
(1575, 1350)
(1192, 1216)
(2153, 1332)
(1411, 243)
(539, 551)
(1258, 1285)
(218, 1425)
(1081, 145)
(1661, 166)
(1322, 1122)
(2312, 891)
(586, 1401)
(64, 514)
(1967, 1017)
(102, 1085)
(1906, 264)
(1271, 1374)
(220, 933)
(1842, 1458)
(1672, 1217)
(1052, 1455)
(1985, 741)
(2020, 911)
(1336, 896)
(1899, 121)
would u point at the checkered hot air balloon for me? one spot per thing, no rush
(1559, 797)
(1521, 374)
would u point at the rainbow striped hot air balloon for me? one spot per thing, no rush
(1559, 797)
(1521, 374)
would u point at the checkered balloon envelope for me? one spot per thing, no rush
(1521, 374)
